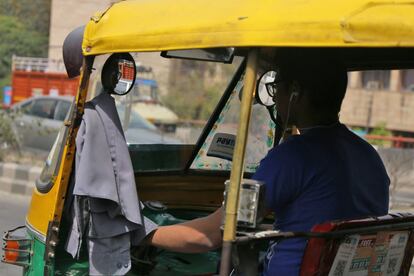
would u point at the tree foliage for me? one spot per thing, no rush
(24, 31)
(34, 14)
(196, 88)
(17, 39)
(381, 130)
(8, 139)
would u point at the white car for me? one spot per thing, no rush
(37, 121)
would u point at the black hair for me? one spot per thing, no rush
(319, 73)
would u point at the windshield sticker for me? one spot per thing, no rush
(380, 254)
(216, 152)
(222, 146)
(219, 164)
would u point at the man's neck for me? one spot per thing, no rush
(313, 122)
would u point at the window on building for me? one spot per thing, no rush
(376, 79)
(407, 80)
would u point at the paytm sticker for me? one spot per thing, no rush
(222, 146)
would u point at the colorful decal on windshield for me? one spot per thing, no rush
(216, 152)
(271, 134)
(199, 162)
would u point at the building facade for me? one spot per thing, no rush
(68, 15)
(380, 98)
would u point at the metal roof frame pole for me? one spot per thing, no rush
(67, 159)
(230, 222)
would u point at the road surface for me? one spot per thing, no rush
(13, 209)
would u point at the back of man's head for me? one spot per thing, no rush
(319, 74)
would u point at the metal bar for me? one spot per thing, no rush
(390, 138)
(28, 251)
(275, 235)
(69, 151)
(35, 64)
(67, 159)
(232, 200)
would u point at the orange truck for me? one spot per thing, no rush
(39, 76)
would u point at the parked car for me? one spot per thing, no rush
(37, 120)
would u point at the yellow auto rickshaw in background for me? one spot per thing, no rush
(185, 181)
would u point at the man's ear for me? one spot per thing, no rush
(295, 91)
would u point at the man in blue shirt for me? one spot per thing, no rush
(324, 174)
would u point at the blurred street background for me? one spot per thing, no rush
(379, 105)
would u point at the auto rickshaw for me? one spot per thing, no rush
(182, 181)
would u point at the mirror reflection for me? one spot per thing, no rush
(118, 74)
(263, 95)
(126, 76)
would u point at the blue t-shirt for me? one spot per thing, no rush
(324, 174)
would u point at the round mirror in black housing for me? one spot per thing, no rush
(264, 94)
(118, 74)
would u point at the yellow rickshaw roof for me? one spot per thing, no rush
(154, 25)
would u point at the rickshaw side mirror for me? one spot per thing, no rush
(118, 74)
(264, 90)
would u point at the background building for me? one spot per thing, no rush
(380, 98)
(68, 15)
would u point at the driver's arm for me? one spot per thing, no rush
(195, 236)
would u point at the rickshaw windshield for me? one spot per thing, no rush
(169, 106)
(171, 99)
(216, 152)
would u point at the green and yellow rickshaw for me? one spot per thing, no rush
(183, 181)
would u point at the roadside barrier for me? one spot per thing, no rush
(17, 178)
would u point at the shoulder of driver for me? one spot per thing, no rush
(284, 161)
(288, 153)
(283, 171)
